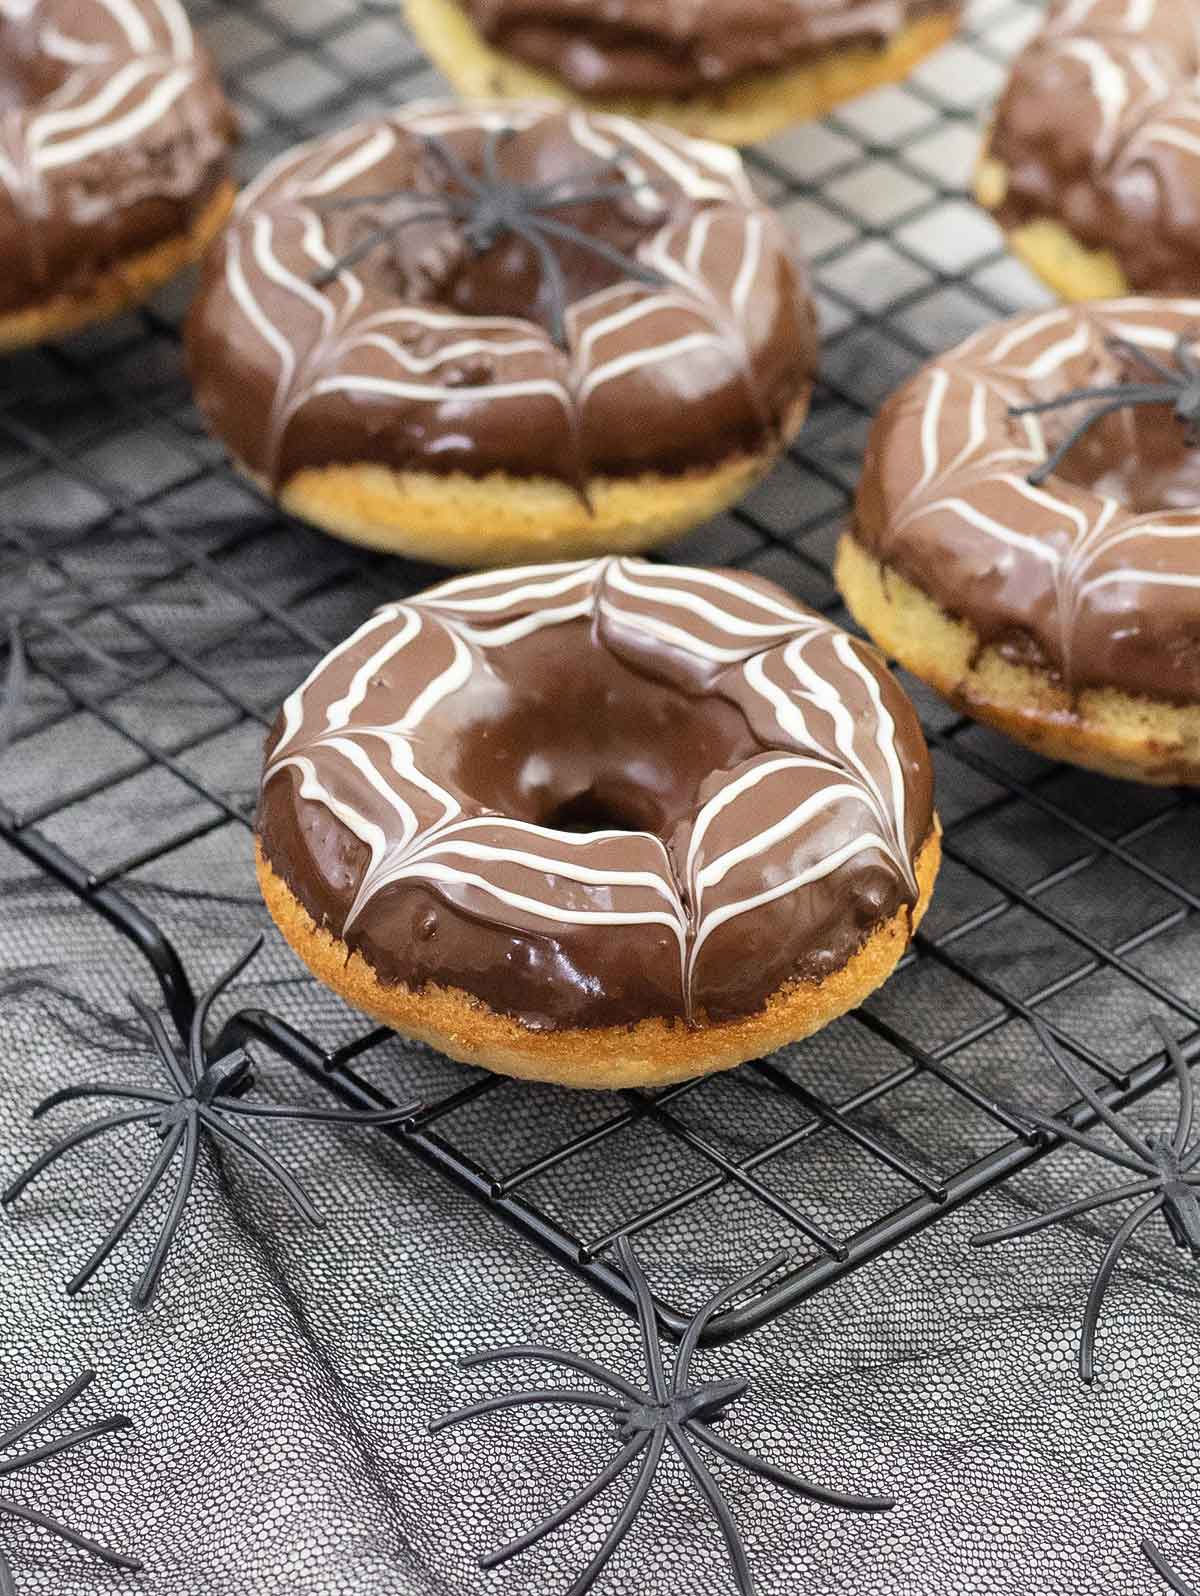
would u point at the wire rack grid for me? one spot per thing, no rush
(185, 607)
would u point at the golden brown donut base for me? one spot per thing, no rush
(744, 112)
(1051, 252)
(654, 1052)
(498, 519)
(1119, 734)
(130, 282)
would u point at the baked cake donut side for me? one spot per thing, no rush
(483, 334)
(1092, 164)
(721, 69)
(114, 159)
(1040, 567)
(603, 823)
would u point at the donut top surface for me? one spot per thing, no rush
(113, 135)
(676, 47)
(1100, 128)
(595, 792)
(1094, 574)
(427, 353)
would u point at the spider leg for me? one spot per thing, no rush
(1100, 1285)
(647, 1317)
(316, 1116)
(75, 1139)
(597, 246)
(780, 1476)
(246, 1144)
(7, 1588)
(1027, 1227)
(1131, 396)
(691, 1339)
(1160, 1566)
(1184, 357)
(147, 1287)
(545, 192)
(200, 1017)
(1126, 346)
(522, 1399)
(162, 1043)
(453, 163)
(1183, 1077)
(567, 1360)
(716, 1500)
(491, 150)
(1136, 1144)
(1059, 1127)
(578, 1502)
(48, 1410)
(620, 1527)
(139, 1200)
(64, 1443)
(86, 1089)
(372, 240)
(12, 696)
(1122, 392)
(552, 276)
(72, 1537)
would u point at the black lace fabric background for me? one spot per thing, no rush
(282, 1386)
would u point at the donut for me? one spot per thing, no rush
(1092, 166)
(115, 147)
(484, 334)
(604, 823)
(734, 70)
(1026, 537)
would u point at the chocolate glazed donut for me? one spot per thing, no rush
(1027, 534)
(1093, 162)
(114, 158)
(736, 70)
(477, 333)
(600, 823)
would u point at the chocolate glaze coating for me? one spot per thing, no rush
(598, 792)
(1095, 575)
(679, 47)
(1099, 128)
(424, 356)
(114, 135)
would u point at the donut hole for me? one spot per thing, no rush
(565, 735)
(592, 811)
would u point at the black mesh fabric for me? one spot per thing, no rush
(282, 1385)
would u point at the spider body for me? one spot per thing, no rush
(672, 1411)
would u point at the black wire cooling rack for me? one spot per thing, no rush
(184, 608)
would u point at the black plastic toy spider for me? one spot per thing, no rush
(204, 1094)
(1160, 1565)
(38, 1454)
(1178, 386)
(1168, 1183)
(488, 206)
(674, 1411)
